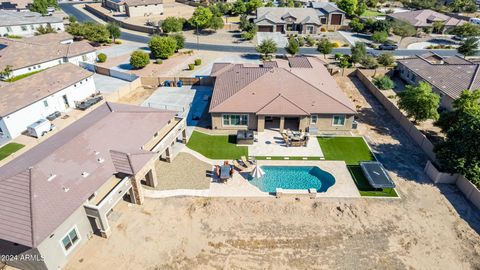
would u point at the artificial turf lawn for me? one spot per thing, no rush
(353, 150)
(9, 149)
(372, 13)
(216, 147)
(19, 77)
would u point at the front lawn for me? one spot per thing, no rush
(216, 146)
(372, 13)
(353, 150)
(9, 149)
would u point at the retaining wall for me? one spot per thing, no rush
(123, 91)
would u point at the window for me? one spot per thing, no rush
(84, 58)
(323, 20)
(24, 28)
(32, 27)
(60, 62)
(235, 119)
(45, 103)
(9, 29)
(313, 119)
(38, 66)
(70, 240)
(339, 120)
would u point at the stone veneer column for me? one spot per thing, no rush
(137, 190)
(282, 123)
(260, 123)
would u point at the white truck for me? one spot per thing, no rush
(40, 128)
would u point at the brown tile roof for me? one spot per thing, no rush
(270, 64)
(452, 77)
(279, 91)
(32, 207)
(18, 53)
(425, 17)
(48, 38)
(299, 62)
(24, 92)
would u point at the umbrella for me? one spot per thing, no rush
(257, 172)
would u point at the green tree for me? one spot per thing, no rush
(41, 6)
(361, 7)
(180, 41)
(292, 47)
(349, 6)
(216, 23)
(466, 30)
(41, 30)
(356, 25)
(114, 30)
(7, 72)
(225, 8)
(469, 47)
(72, 19)
(139, 59)
(252, 5)
(325, 47)
(463, 6)
(419, 102)
(201, 17)
(459, 153)
(386, 59)
(267, 47)
(96, 32)
(372, 3)
(380, 37)
(358, 52)
(344, 63)
(403, 29)
(162, 47)
(384, 82)
(370, 62)
(239, 7)
(172, 24)
(438, 27)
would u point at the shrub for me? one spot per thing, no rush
(101, 57)
(310, 41)
(118, 41)
(159, 61)
(384, 82)
(248, 35)
(198, 62)
(191, 66)
(139, 59)
(335, 44)
(162, 47)
(301, 41)
(180, 41)
(338, 56)
(172, 24)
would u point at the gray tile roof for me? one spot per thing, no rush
(451, 77)
(425, 17)
(20, 94)
(11, 17)
(282, 90)
(278, 15)
(32, 207)
(326, 8)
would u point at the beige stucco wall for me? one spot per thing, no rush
(140, 11)
(217, 122)
(325, 123)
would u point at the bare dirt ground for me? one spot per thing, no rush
(430, 227)
(138, 96)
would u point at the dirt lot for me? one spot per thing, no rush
(430, 227)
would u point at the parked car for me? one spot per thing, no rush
(459, 38)
(388, 47)
(40, 128)
(89, 103)
(54, 116)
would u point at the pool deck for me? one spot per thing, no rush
(239, 186)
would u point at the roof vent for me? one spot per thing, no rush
(97, 153)
(51, 177)
(100, 160)
(85, 174)
(65, 189)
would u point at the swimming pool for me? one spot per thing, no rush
(293, 177)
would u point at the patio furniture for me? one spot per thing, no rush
(245, 137)
(246, 162)
(286, 139)
(237, 165)
(225, 172)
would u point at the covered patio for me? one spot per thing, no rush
(271, 144)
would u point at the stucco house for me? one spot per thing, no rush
(448, 76)
(297, 93)
(25, 101)
(52, 202)
(25, 23)
(426, 18)
(50, 50)
(309, 21)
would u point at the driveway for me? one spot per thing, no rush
(106, 84)
(279, 38)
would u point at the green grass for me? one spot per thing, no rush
(353, 150)
(216, 147)
(9, 149)
(19, 77)
(372, 13)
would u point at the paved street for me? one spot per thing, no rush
(82, 17)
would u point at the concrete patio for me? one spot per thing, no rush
(271, 144)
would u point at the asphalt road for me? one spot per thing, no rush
(68, 8)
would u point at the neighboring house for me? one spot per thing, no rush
(49, 50)
(25, 23)
(25, 101)
(142, 8)
(449, 76)
(114, 5)
(298, 94)
(17, 5)
(425, 18)
(57, 195)
(308, 21)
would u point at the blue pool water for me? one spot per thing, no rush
(293, 177)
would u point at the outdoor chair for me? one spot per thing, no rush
(245, 161)
(237, 165)
(286, 139)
